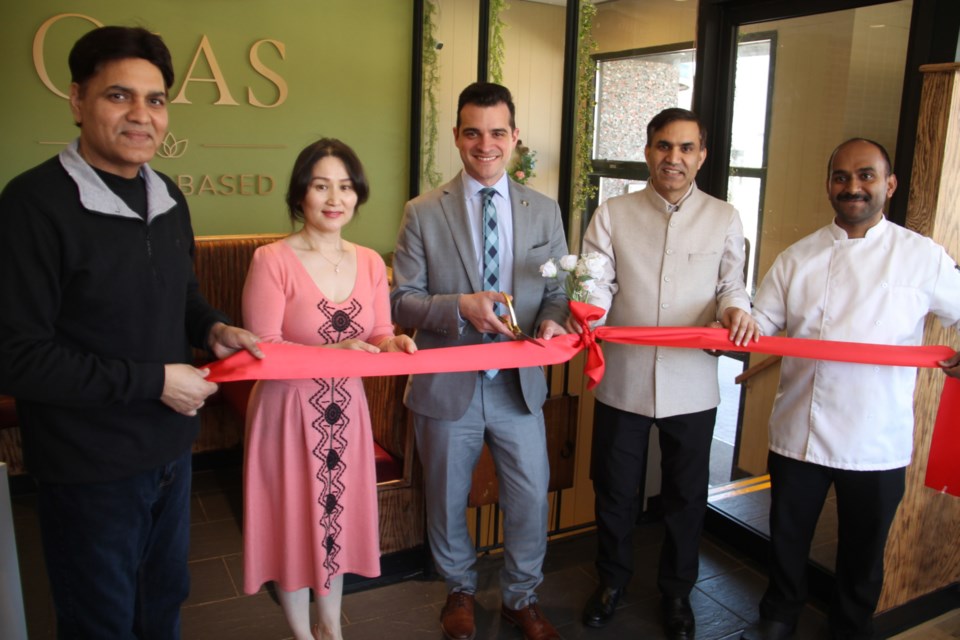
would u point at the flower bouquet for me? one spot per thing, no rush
(580, 273)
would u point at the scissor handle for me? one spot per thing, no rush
(511, 320)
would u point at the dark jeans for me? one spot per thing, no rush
(866, 504)
(116, 553)
(619, 459)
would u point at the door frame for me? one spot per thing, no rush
(934, 31)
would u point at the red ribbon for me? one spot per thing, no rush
(289, 362)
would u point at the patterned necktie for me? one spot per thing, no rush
(491, 256)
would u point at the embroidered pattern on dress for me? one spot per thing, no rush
(332, 401)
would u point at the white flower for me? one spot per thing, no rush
(579, 273)
(568, 262)
(594, 263)
(548, 269)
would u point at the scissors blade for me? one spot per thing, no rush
(523, 336)
(511, 320)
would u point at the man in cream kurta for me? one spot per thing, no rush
(858, 279)
(675, 258)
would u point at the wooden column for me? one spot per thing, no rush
(922, 554)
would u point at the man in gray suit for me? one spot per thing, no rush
(448, 274)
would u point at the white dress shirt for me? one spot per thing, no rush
(876, 289)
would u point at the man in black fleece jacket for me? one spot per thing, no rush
(100, 309)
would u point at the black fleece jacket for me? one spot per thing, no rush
(92, 306)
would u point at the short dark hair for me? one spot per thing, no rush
(883, 152)
(487, 94)
(674, 114)
(302, 174)
(106, 44)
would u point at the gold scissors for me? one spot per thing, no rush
(511, 321)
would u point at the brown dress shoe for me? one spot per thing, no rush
(531, 622)
(456, 619)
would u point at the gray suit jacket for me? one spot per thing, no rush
(435, 261)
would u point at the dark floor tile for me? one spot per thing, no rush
(715, 560)
(569, 552)
(563, 595)
(421, 623)
(628, 622)
(197, 514)
(234, 564)
(713, 619)
(214, 539)
(222, 505)
(255, 617)
(210, 581)
(385, 602)
(739, 591)
(643, 584)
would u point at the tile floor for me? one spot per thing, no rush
(725, 598)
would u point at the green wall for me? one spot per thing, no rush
(347, 72)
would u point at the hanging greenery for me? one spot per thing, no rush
(525, 161)
(497, 48)
(585, 106)
(429, 174)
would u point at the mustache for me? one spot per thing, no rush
(853, 197)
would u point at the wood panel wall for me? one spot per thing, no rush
(922, 554)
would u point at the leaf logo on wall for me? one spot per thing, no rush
(171, 147)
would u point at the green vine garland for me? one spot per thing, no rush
(585, 106)
(497, 47)
(429, 173)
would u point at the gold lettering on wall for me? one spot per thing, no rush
(204, 49)
(243, 184)
(38, 40)
(218, 79)
(267, 73)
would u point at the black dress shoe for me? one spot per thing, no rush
(602, 605)
(768, 630)
(678, 618)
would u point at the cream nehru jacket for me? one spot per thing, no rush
(668, 265)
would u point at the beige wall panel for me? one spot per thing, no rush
(637, 24)
(533, 71)
(457, 25)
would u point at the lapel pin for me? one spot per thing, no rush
(525, 203)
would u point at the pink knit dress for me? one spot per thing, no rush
(310, 495)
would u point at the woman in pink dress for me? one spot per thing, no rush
(310, 495)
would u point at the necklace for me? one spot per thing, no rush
(336, 265)
(319, 250)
